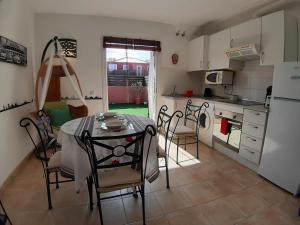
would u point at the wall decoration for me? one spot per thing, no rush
(69, 47)
(12, 52)
(175, 58)
(15, 105)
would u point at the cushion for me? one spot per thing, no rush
(121, 177)
(78, 111)
(55, 162)
(59, 116)
(182, 130)
(55, 105)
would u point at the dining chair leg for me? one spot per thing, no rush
(56, 180)
(99, 208)
(167, 172)
(143, 203)
(185, 143)
(90, 189)
(177, 150)
(135, 195)
(197, 141)
(48, 190)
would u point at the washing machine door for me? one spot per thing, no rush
(204, 120)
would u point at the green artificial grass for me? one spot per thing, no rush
(133, 109)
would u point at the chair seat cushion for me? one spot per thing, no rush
(55, 162)
(182, 130)
(121, 177)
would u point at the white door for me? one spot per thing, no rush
(280, 161)
(286, 80)
(246, 33)
(218, 42)
(272, 38)
(197, 54)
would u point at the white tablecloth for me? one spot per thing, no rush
(74, 158)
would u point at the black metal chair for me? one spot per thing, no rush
(51, 162)
(193, 115)
(4, 217)
(109, 172)
(45, 126)
(164, 121)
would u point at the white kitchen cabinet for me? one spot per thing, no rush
(198, 54)
(279, 38)
(218, 59)
(253, 132)
(246, 33)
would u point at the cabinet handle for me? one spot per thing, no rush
(295, 77)
(257, 114)
(255, 127)
(208, 62)
(252, 139)
(249, 151)
(231, 43)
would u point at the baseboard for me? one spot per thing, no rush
(18, 168)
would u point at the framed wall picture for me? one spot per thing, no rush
(12, 52)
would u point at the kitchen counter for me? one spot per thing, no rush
(244, 103)
(260, 108)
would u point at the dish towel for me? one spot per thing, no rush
(225, 126)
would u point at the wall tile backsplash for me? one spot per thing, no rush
(250, 83)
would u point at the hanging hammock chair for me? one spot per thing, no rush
(53, 68)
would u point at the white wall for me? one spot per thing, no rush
(89, 30)
(250, 83)
(16, 85)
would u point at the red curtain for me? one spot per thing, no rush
(129, 43)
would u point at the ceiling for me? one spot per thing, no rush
(176, 12)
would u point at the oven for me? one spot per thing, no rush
(232, 139)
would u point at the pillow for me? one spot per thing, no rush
(59, 116)
(55, 105)
(78, 111)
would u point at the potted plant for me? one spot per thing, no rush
(138, 86)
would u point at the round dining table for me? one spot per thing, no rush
(74, 157)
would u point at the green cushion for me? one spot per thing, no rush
(55, 105)
(59, 116)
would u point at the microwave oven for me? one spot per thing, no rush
(219, 77)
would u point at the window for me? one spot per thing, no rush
(125, 67)
(112, 67)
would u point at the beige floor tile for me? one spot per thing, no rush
(181, 176)
(133, 208)
(173, 199)
(267, 217)
(200, 192)
(188, 216)
(248, 202)
(221, 212)
(246, 178)
(225, 185)
(155, 221)
(205, 171)
(269, 192)
(34, 218)
(289, 209)
(113, 212)
(230, 166)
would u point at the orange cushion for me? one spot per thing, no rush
(78, 111)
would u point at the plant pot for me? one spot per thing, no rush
(138, 100)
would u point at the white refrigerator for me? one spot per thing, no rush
(280, 162)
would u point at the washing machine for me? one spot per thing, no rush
(206, 123)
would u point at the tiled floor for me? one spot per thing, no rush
(214, 190)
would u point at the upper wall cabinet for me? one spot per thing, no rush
(246, 33)
(279, 38)
(197, 54)
(217, 57)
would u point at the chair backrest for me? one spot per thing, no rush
(45, 123)
(165, 122)
(118, 151)
(38, 138)
(193, 112)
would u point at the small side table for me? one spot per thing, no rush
(4, 218)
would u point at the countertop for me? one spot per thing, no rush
(258, 107)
